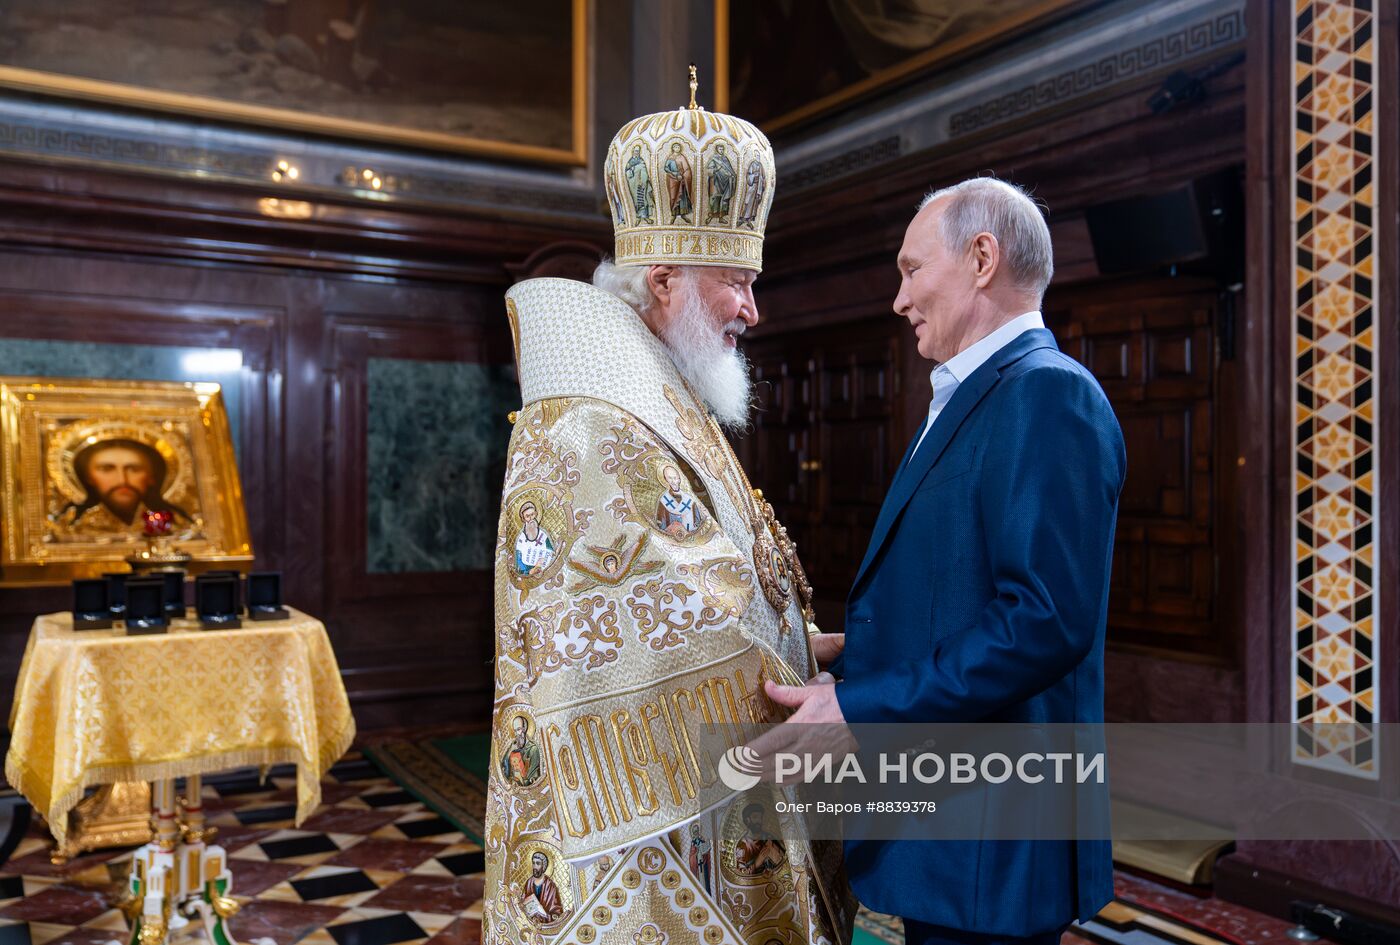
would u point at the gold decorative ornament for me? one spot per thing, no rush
(88, 462)
(223, 906)
(115, 815)
(125, 87)
(152, 933)
(774, 552)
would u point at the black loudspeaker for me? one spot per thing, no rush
(216, 601)
(145, 605)
(90, 605)
(116, 594)
(1197, 227)
(265, 596)
(174, 601)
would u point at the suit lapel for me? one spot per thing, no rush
(968, 395)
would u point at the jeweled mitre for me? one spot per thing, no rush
(689, 187)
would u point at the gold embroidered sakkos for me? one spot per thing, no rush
(634, 620)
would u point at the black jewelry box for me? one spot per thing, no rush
(90, 604)
(116, 593)
(145, 605)
(265, 596)
(216, 601)
(174, 597)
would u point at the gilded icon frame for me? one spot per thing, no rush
(47, 425)
(942, 54)
(206, 107)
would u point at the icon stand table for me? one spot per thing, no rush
(96, 707)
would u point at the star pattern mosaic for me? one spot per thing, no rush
(1336, 482)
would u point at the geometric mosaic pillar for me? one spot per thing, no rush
(1336, 480)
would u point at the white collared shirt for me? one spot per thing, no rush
(948, 375)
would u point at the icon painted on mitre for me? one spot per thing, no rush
(720, 182)
(639, 183)
(534, 549)
(521, 761)
(755, 183)
(677, 512)
(614, 198)
(680, 179)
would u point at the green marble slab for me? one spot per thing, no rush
(435, 456)
(43, 358)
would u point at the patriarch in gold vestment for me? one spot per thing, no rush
(664, 594)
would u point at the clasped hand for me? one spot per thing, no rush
(817, 727)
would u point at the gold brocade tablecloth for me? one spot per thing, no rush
(97, 707)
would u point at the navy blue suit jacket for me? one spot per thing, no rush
(983, 597)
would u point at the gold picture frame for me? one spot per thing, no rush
(201, 106)
(82, 459)
(1036, 13)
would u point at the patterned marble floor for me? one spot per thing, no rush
(373, 866)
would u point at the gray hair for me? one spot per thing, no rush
(989, 205)
(628, 283)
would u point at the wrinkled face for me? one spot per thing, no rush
(700, 320)
(727, 295)
(121, 476)
(936, 288)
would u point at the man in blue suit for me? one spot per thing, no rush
(984, 591)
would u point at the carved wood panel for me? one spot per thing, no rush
(1152, 347)
(98, 259)
(825, 441)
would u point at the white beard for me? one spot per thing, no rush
(718, 373)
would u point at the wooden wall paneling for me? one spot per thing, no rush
(302, 434)
(89, 254)
(824, 439)
(1262, 463)
(1153, 348)
(830, 251)
(75, 208)
(1125, 149)
(415, 635)
(860, 443)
